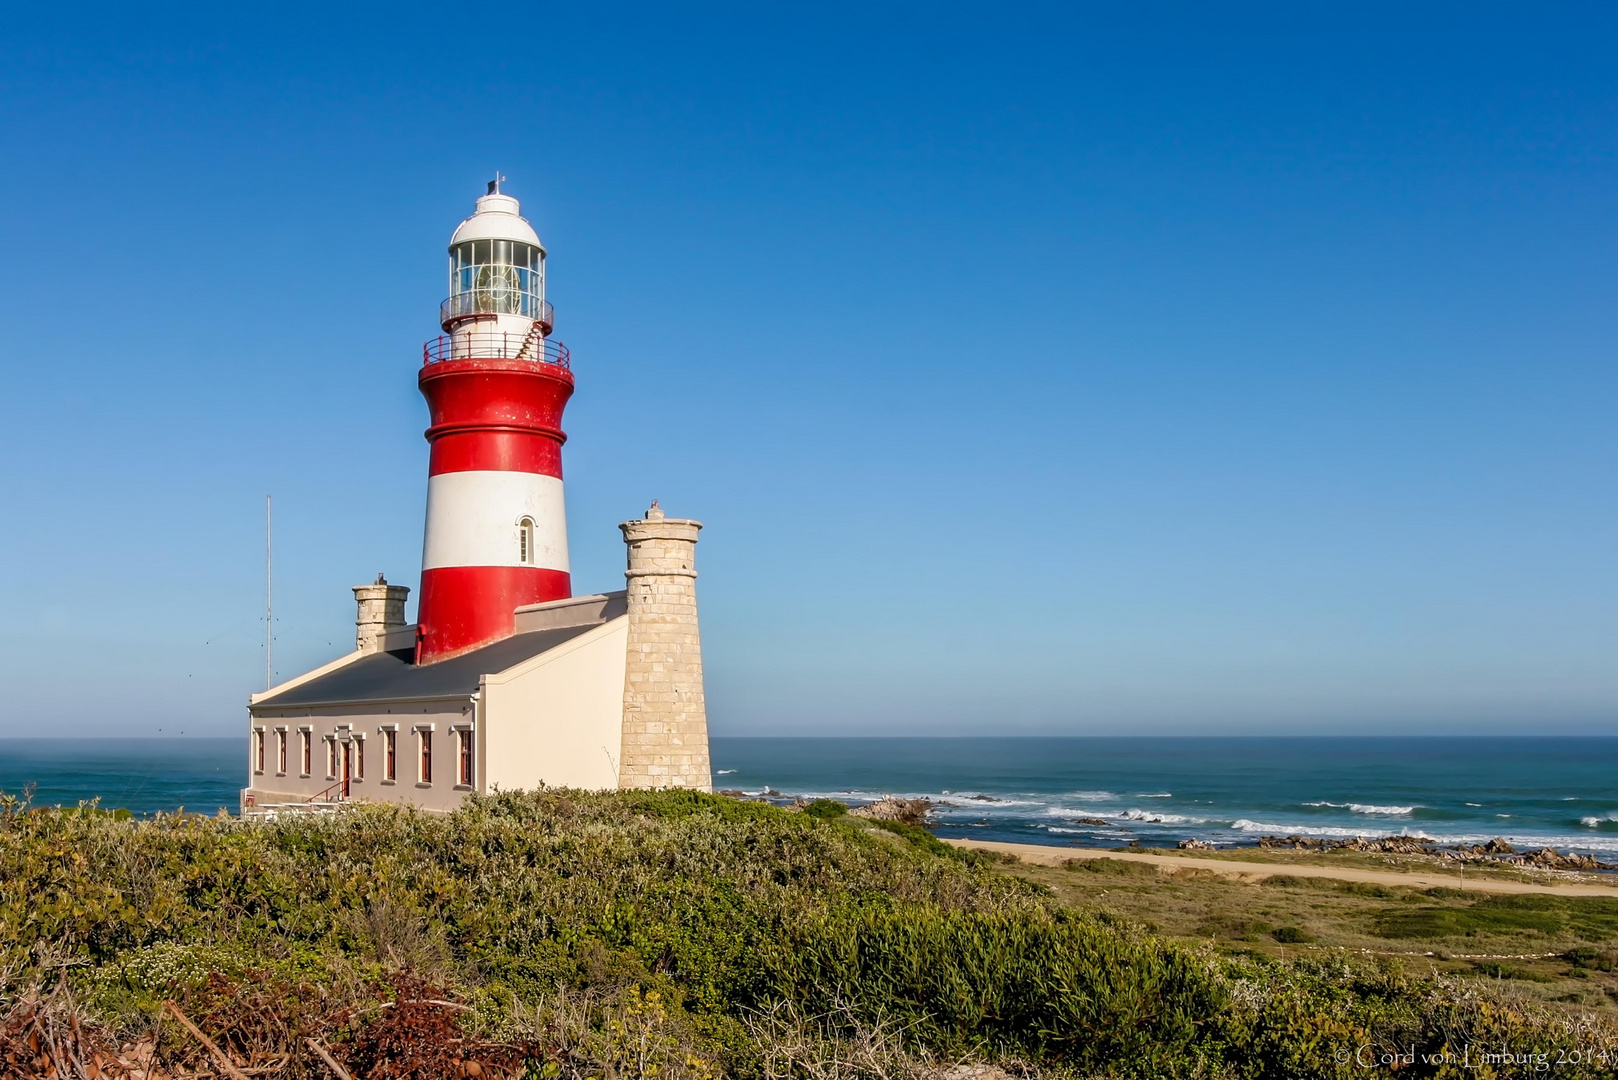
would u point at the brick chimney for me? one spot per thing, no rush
(381, 608)
(665, 712)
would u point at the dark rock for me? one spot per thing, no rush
(893, 808)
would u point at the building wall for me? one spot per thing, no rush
(557, 719)
(364, 726)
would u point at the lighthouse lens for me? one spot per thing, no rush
(504, 277)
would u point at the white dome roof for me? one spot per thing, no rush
(496, 219)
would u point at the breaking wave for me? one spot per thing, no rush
(1068, 812)
(1247, 826)
(1151, 817)
(1366, 808)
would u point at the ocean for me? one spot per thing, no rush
(1104, 792)
(1560, 792)
(143, 775)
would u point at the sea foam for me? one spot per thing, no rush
(1152, 817)
(1366, 808)
(1247, 826)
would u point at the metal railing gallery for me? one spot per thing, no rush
(495, 345)
(496, 300)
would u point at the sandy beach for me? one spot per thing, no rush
(1254, 871)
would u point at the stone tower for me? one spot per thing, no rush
(381, 608)
(665, 714)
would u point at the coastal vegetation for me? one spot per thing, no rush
(674, 934)
(1568, 945)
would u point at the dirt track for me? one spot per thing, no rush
(1252, 871)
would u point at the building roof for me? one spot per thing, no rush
(395, 676)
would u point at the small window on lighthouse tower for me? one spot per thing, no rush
(525, 542)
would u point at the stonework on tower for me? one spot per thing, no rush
(381, 608)
(665, 711)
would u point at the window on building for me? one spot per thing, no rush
(359, 757)
(466, 756)
(308, 751)
(525, 541)
(390, 750)
(426, 756)
(281, 752)
(331, 757)
(258, 750)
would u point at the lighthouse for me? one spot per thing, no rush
(496, 385)
(507, 681)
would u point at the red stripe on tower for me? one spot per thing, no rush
(496, 535)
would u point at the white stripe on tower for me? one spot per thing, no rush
(473, 520)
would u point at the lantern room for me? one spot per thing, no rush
(496, 305)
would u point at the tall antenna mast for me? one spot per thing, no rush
(269, 602)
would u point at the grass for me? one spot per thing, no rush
(1580, 918)
(690, 936)
(1479, 918)
(1566, 946)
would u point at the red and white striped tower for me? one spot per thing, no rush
(495, 386)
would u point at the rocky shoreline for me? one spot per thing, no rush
(1495, 851)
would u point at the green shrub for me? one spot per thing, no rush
(1286, 881)
(1113, 867)
(923, 840)
(1494, 969)
(826, 809)
(1588, 957)
(1059, 986)
(716, 910)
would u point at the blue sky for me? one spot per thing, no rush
(1109, 368)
